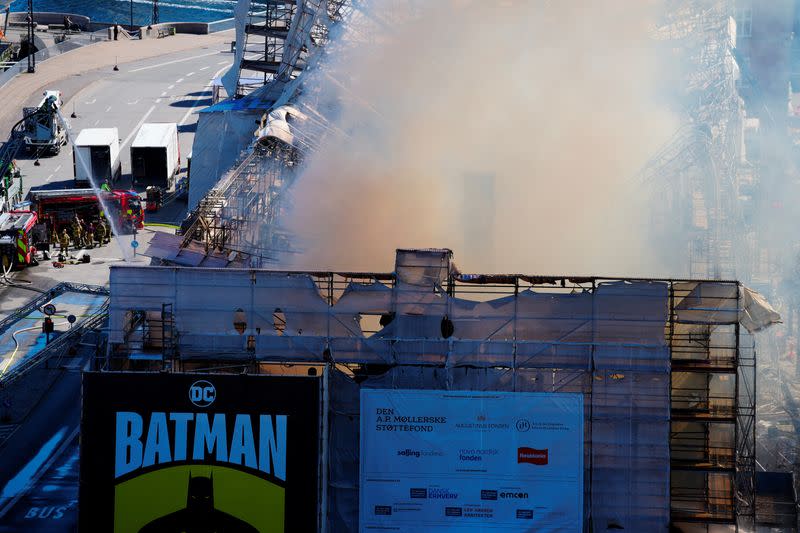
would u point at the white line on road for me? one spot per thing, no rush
(158, 100)
(96, 122)
(58, 168)
(190, 74)
(169, 89)
(48, 178)
(222, 62)
(87, 102)
(180, 80)
(194, 104)
(173, 61)
(134, 102)
(108, 109)
(204, 67)
(136, 128)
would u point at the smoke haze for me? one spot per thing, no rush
(507, 131)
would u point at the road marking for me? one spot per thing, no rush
(158, 100)
(87, 102)
(173, 61)
(134, 102)
(41, 469)
(180, 80)
(168, 89)
(194, 104)
(48, 178)
(190, 74)
(96, 122)
(58, 168)
(108, 109)
(222, 62)
(136, 128)
(204, 67)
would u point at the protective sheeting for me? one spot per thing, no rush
(231, 78)
(278, 126)
(218, 143)
(614, 341)
(756, 313)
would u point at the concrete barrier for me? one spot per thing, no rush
(152, 31)
(47, 18)
(194, 28)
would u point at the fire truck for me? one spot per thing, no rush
(17, 240)
(56, 209)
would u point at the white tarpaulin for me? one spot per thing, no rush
(471, 461)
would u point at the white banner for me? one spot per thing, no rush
(471, 461)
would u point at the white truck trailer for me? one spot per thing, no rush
(156, 155)
(96, 154)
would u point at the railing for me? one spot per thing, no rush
(37, 303)
(72, 42)
(221, 25)
(59, 347)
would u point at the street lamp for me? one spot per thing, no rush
(131, 28)
(31, 56)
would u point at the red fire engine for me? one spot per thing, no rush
(57, 208)
(16, 240)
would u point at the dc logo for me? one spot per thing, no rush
(523, 425)
(202, 393)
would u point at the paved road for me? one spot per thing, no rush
(52, 502)
(40, 440)
(163, 88)
(169, 88)
(37, 464)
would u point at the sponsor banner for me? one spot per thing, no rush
(189, 452)
(465, 461)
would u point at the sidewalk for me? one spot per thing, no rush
(15, 94)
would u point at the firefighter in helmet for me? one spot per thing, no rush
(77, 231)
(64, 241)
(90, 235)
(100, 232)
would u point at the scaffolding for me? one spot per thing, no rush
(697, 172)
(666, 367)
(278, 36)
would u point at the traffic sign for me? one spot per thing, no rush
(134, 244)
(72, 319)
(49, 309)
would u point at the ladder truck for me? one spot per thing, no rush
(39, 127)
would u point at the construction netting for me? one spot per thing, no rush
(428, 327)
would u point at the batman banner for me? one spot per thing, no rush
(169, 453)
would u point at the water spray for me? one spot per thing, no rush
(81, 160)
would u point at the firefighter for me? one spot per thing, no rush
(77, 231)
(103, 235)
(64, 241)
(90, 235)
(100, 232)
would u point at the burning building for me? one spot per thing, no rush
(660, 374)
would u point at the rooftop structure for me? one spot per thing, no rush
(666, 367)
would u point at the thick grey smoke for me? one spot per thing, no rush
(507, 131)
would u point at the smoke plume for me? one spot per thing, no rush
(507, 131)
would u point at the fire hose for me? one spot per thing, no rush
(16, 344)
